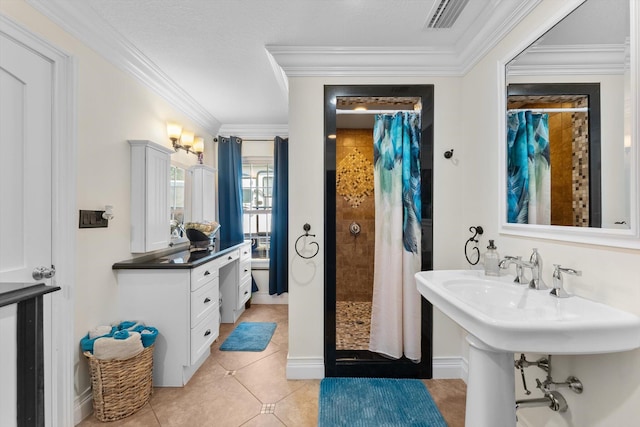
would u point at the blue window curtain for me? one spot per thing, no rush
(230, 190)
(278, 251)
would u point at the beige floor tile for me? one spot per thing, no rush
(300, 408)
(266, 378)
(221, 402)
(264, 420)
(145, 417)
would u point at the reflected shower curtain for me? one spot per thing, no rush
(528, 168)
(395, 311)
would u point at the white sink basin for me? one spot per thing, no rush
(514, 318)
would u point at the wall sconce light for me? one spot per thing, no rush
(198, 147)
(185, 140)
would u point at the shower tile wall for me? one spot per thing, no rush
(354, 255)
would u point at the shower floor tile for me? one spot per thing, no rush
(353, 325)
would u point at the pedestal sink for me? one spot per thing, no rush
(503, 318)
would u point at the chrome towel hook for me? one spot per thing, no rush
(306, 229)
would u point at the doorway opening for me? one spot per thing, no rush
(350, 222)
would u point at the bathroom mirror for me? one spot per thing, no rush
(177, 193)
(591, 46)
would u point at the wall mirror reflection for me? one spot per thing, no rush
(177, 175)
(569, 122)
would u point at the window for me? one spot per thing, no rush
(257, 185)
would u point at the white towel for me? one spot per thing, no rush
(99, 331)
(108, 348)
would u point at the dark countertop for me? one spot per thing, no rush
(12, 293)
(182, 259)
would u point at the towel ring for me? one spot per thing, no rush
(306, 229)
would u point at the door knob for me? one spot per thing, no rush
(40, 273)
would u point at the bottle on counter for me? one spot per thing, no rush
(491, 260)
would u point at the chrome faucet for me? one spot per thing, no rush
(520, 265)
(558, 289)
(535, 263)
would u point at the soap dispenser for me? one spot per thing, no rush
(491, 260)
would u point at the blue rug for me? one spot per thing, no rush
(249, 336)
(377, 402)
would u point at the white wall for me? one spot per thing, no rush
(112, 107)
(610, 275)
(306, 205)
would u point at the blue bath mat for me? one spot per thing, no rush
(376, 402)
(249, 336)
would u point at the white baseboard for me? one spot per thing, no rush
(83, 406)
(450, 368)
(305, 368)
(265, 298)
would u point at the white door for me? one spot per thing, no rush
(26, 96)
(25, 161)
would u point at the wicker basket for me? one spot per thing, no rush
(120, 387)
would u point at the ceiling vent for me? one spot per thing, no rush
(446, 13)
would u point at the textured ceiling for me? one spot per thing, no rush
(214, 51)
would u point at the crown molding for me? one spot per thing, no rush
(73, 18)
(255, 132)
(501, 22)
(571, 60)
(385, 61)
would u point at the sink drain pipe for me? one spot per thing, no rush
(552, 399)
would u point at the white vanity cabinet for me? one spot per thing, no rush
(186, 302)
(235, 285)
(150, 164)
(203, 193)
(184, 305)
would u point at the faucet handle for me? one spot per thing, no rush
(558, 290)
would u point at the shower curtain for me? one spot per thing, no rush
(528, 168)
(395, 311)
(230, 190)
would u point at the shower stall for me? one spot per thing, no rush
(350, 218)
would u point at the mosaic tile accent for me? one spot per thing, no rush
(354, 178)
(268, 408)
(580, 170)
(353, 325)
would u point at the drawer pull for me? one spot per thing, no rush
(207, 300)
(206, 273)
(230, 257)
(246, 292)
(246, 270)
(207, 333)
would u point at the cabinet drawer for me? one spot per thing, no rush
(227, 258)
(245, 252)
(244, 293)
(203, 301)
(245, 270)
(203, 274)
(202, 336)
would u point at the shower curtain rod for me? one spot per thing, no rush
(551, 110)
(375, 111)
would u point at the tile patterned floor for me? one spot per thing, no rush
(353, 322)
(249, 389)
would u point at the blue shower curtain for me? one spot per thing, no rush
(278, 253)
(395, 311)
(230, 190)
(528, 168)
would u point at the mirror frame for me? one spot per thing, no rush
(623, 238)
